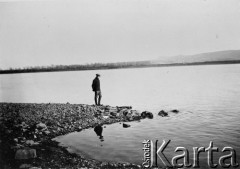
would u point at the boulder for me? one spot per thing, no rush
(130, 118)
(124, 107)
(126, 125)
(143, 114)
(162, 113)
(147, 114)
(106, 113)
(25, 153)
(113, 114)
(175, 111)
(124, 112)
(136, 115)
(109, 108)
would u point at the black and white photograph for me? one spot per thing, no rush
(135, 84)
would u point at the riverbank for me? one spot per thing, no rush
(27, 130)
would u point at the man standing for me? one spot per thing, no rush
(97, 90)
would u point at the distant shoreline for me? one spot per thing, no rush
(144, 64)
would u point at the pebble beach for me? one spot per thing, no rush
(27, 130)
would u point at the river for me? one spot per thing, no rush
(208, 98)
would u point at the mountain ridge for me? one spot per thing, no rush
(226, 55)
(210, 58)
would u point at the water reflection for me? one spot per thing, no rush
(98, 130)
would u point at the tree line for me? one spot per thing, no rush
(76, 67)
(97, 66)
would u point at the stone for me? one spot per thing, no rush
(113, 114)
(126, 125)
(47, 132)
(123, 112)
(175, 111)
(25, 153)
(29, 142)
(106, 113)
(135, 113)
(136, 117)
(130, 118)
(23, 125)
(105, 117)
(108, 108)
(162, 113)
(18, 146)
(15, 140)
(147, 114)
(25, 166)
(41, 126)
(143, 114)
(124, 107)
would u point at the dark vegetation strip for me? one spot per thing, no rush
(102, 66)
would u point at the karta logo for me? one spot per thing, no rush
(158, 153)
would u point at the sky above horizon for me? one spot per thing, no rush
(39, 33)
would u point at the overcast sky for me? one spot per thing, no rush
(86, 31)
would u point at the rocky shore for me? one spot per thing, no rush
(27, 129)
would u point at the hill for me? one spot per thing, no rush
(229, 55)
(220, 57)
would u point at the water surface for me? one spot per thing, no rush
(208, 98)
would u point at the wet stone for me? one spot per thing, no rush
(162, 113)
(175, 111)
(147, 114)
(126, 125)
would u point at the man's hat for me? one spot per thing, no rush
(97, 74)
